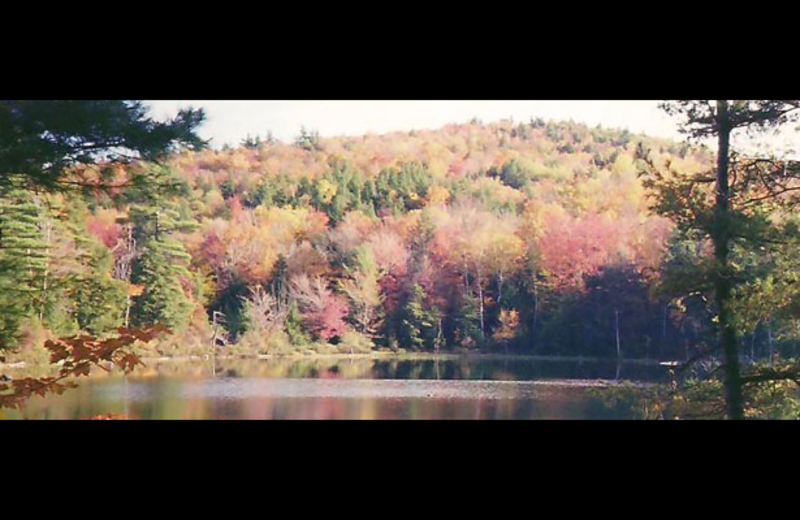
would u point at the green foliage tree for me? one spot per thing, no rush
(468, 321)
(418, 325)
(402, 189)
(339, 190)
(160, 269)
(101, 299)
(294, 326)
(253, 143)
(515, 174)
(40, 140)
(730, 206)
(161, 266)
(309, 140)
(362, 288)
(24, 262)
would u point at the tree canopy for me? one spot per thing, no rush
(42, 140)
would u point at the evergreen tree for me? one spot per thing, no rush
(418, 325)
(270, 139)
(363, 290)
(100, 299)
(515, 175)
(734, 213)
(160, 270)
(403, 189)
(161, 267)
(468, 321)
(294, 326)
(309, 140)
(24, 263)
(41, 139)
(253, 143)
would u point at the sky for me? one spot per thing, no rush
(229, 122)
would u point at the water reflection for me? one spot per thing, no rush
(397, 388)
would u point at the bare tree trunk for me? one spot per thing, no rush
(466, 276)
(128, 308)
(723, 287)
(479, 283)
(619, 342)
(48, 238)
(535, 314)
(215, 326)
(771, 349)
(126, 270)
(499, 287)
(438, 341)
(664, 335)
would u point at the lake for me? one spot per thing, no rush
(405, 387)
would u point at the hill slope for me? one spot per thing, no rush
(530, 236)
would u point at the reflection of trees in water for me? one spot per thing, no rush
(162, 392)
(429, 368)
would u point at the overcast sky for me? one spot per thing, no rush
(231, 121)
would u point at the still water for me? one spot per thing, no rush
(354, 388)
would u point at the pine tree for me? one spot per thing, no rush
(160, 270)
(253, 143)
(309, 140)
(101, 299)
(733, 212)
(161, 266)
(40, 140)
(294, 326)
(24, 263)
(469, 321)
(78, 262)
(419, 326)
(363, 290)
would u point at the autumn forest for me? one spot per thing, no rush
(531, 237)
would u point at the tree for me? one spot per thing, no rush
(101, 299)
(161, 266)
(160, 271)
(309, 140)
(506, 332)
(264, 312)
(363, 289)
(294, 326)
(24, 262)
(323, 311)
(725, 206)
(253, 143)
(468, 321)
(482, 246)
(49, 146)
(403, 189)
(419, 326)
(41, 141)
(515, 174)
(570, 248)
(75, 357)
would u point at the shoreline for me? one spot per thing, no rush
(400, 356)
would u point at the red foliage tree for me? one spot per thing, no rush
(572, 248)
(323, 311)
(329, 322)
(107, 232)
(76, 356)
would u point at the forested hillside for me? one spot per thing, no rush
(528, 237)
